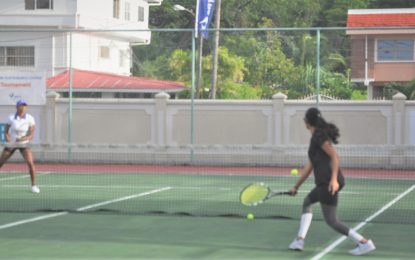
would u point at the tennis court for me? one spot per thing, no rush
(145, 132)
(161, 211)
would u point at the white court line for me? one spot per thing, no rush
(363, 223)
(359, 193)
(25, 221)
(35, 219)
(112, 187)
(69, 186)
(22, 176)
(122, 199)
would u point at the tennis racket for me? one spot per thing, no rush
(257, 193)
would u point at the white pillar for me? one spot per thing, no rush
(50, 127)
(161, 100)
(397, 158)
(369, 91)
(399, 101)
(278, 112)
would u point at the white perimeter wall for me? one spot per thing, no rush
(374, 134)
(167, 122)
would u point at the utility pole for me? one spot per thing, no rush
(212, 92)
(200, 49)
(199, 66)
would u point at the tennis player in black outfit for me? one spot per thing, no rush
(324, 162)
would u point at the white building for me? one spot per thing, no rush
(48, 52)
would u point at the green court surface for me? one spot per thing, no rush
(176, 216)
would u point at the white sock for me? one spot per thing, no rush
(356, 237)
(305, 224)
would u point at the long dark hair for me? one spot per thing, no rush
(314, 118)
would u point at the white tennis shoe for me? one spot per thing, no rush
(35, 189)
(362, 249)
(297, 244)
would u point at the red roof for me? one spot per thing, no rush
(83, 79)
(381, 20)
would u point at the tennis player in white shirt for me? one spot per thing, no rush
(20, 130)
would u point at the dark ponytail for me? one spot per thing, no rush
(314, 118)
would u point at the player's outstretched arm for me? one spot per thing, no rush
(304, 175)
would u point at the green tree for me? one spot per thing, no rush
(391, 4)
(407, 89)
(359, 94)
(232, 90)
(177, 67)
(336, 84)
(257, 63)
(334, 12)
(283, 13)
(267, 65)
(231, 74)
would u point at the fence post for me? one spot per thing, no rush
(278, 117)
(161, 117)
(50, 118)
(70, 108)
(318, 68)
(192, 101)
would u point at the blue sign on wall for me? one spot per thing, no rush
(2, 128)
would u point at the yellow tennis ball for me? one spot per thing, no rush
(250, 216)
(294, 171)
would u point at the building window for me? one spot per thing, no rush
(17, 56)
(141, 14)
(116, 9)
(104, 52)
(127, 11)
(395, 50)
(38, 4)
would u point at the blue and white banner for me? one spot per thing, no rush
(204, 16)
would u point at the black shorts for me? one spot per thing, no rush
(12, 150)
(322, 194)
